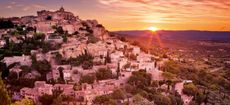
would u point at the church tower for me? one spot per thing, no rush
(61, 9)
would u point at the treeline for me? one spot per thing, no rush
(4, 24)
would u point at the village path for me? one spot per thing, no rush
(216, 69)
(179, 87)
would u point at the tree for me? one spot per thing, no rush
(87, 65)
(24, 101)
(59, 30)
(171, 67)
(46, 47)
(107, 58)
(118, 70)
(169, 83)
(103, 100)
(49, 18)
(58, 58)
(118, 94)
(168, 75)
(89, 78)
(42, 67)
(200, 98)
(92, 39)
(64, 36)
(63, 98)
(85, 59)
(4, 24)
(193, 103)
(4, 97)
(176, 99)
(46, 99)
(139, 100)
(133, 56)
(5, 70)
(140, 79)
(162, 100)
(104, 73)
(190, 89)
(57, 92)
(60, 69)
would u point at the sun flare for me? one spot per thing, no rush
(153, 28)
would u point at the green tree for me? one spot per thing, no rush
(118, 94)
(46, 99)
(60, 69)
(42, 67)
(162, 100)
(103, 100)
(200, 98)
(193, 103)
(104, 73)
(171, 67)
(140, 79)
(89, 78)
(6, 24)
(118, 70)
(107, 58)
(59, 30)
(190, 89)
(176, 99)
(168, 75)
(58, 58)
(87, 65)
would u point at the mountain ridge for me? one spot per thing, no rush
(181, 34)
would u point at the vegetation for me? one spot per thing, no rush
(119, 94)
(190, 89)
(5, 24)
(89, 78)
(46, 99)
(42, 67)
(24, 101)
(4, 97)
(57, 98)
(171, 67)
(85, 59)
(104, 100)
(92, 39)
(140, 79)
(26, 45)
(103, 74)
(168, 75)
(162, 100)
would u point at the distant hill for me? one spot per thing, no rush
(180, 35)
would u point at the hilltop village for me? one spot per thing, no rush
(55, 58)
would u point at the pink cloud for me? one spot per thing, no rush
(169, 10)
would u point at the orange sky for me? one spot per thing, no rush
(212, 15)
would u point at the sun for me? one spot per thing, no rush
(153, 28)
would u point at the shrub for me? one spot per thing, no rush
(104, 73)
(89, 78)
(190, 89)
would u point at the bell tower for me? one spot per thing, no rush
(62, 9)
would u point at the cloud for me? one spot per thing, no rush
(168, 10)
(16, 5)
(11, 5)
(32, 7)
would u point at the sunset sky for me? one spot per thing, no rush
(213, 15)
